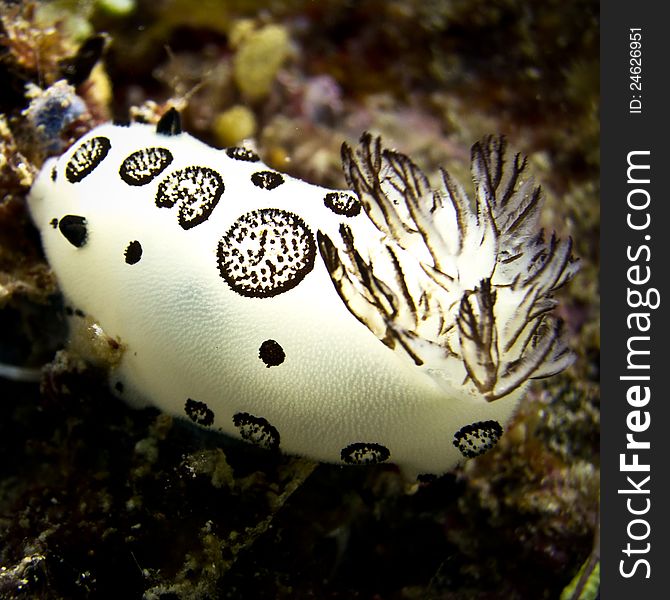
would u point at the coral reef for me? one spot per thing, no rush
(99, 500)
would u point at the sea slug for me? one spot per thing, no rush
(389, 322)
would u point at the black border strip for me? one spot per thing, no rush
(634, 244)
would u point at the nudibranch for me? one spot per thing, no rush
(389, 323)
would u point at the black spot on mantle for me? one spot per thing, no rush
(133, 252)
(271, 353)
(74, 230)
(199, 412)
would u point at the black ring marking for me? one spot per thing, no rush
(477, 438)
(199, 412)
(239, 153)
(86, 158)
(267, 180)
(342, 203)
(256, 430)
(365, 453)
(140, 167)
(266, 252)
(196, 189)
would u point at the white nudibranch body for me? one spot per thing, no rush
(390, 323)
